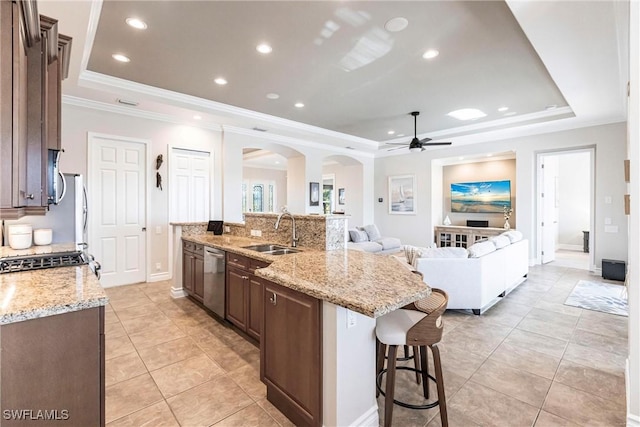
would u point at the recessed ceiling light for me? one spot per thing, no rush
(489, 155)
(400, 134)
(551, 107)
(391, 132)
(277, 162)
(396, 24)
(430, 54)
(220, 81)
(120, 57)
(510, 113)
(460, 158)
(503, 109)
(467, 114)
(197, 117)
(264, 48)
(273, 96)
(136, 23)
(299, 105)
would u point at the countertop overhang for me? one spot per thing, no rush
(366, 283)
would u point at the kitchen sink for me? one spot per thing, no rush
(272, 249)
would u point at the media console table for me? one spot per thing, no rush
(462, 237)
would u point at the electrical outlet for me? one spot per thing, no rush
(158, 229)
(258, 233)
(158, 266)
(351, 319)
(227, 229)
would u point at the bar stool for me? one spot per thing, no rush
(416, 325)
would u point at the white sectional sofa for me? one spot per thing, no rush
(368, 239)
(476, 283)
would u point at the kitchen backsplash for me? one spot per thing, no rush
(322, 232)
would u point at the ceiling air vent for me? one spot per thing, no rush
(127, 102)
(349, 148)
(256, 128)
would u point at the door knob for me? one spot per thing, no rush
(274, 299)
(144, 228)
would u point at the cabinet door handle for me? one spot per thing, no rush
(245, 277)
(274, 298)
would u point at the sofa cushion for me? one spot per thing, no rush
(366, 246)
(500, 241)
(513, 235)
(358, 236)
(389, 243)
(480, 249)
(372, 231)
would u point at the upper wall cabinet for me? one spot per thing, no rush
(30, 99)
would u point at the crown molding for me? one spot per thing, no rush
(295, 141)
(100, 81)
(134, 112)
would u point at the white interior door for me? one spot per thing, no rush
(189, 185)
(549, 176)
(117, 190)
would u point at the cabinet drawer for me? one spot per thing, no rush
(238, 260)
(198, 249)
(188, 246)
(254, 264)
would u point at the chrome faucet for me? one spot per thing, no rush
(294, 238)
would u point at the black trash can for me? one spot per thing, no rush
(585, 243)
(614, 270)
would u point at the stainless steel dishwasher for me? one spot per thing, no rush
(214, 280)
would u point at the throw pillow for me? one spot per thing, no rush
(412, 253)
(358, 236)
(513, 235)
(372, 231)
(479, 249)
(389, 243)
(500, 241)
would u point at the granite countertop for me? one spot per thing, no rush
(369, 284)
(39, 293)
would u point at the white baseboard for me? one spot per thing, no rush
(157, 277)
(368, 419)
(632, 420)
(177, 293)
(567, 247)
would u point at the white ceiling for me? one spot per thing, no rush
(524, 55)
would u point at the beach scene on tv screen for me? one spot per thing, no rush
(481, 197)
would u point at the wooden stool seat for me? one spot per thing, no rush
(418, 325)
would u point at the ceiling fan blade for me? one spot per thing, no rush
(425, 140)
(396, 143)
(427, 144)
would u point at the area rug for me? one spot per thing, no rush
(599, 297)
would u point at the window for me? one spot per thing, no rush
(259, 196)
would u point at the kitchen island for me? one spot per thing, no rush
(51, 345)
(352, 288)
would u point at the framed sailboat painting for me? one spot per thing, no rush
(402, 195)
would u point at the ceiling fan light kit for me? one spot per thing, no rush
(417, 145)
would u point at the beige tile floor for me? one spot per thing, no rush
(529, 360)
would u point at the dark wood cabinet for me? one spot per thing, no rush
(32, 58)
(291, 353)
(193, 269)
(55, 363)
(244, 294)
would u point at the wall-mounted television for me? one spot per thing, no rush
(481, 197)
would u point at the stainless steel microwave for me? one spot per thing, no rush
(56, 185)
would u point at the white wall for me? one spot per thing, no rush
(574, 198)
(609, 141)
(350, 178)
(633, 147)
(498, 170)
(78, 121)
(278, 176)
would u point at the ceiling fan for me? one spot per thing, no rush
(416, 145)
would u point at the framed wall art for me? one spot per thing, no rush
(402, 195)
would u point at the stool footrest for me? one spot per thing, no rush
(404, 404)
